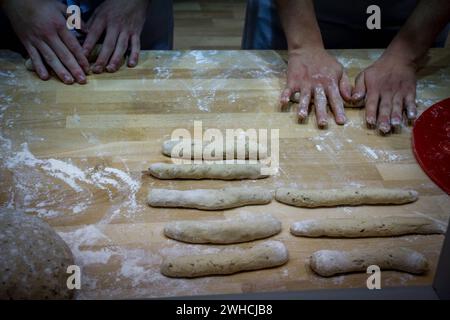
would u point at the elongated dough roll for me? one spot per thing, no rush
(366, 227)
(330, 262)
(346, 196)
(181, 149)
(209, 199)
(224, 231)
(206, 171)
(228, 261)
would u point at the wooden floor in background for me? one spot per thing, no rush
(208, 24)
(211, 24)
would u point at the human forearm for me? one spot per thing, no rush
(312, 71)
(420, 30)
(122, 22)
(389, 84)
(299, 23)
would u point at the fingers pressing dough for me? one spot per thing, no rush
(209, 199)
(366, 227)
(91, 58)
(206, 171)
(224, 231)
(267, 254)
(330, 262)
(296, 99)
(347, 196)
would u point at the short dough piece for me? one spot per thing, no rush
(206, 171)
(181, 149)
(228, 261)
(33, 259)
(224, 231)
(346, 196)
(330, 262)
(366, 227)
(209, 199)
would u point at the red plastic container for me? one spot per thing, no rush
(431, 143)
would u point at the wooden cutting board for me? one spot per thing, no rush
(76, 155)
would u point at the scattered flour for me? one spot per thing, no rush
(304, 226)
(162, 73)
(381, 155)
(375, 54)
(41, 185)
(369, 152)
(328, 142)
(138, 268)
(204, 92)
(88, 236)
(7, 74)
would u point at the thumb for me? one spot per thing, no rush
(345, 87)
(359, 91)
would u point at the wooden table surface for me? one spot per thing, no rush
(76, 156)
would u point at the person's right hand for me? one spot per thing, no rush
(315, 73)
(388, 87)
(41, 26)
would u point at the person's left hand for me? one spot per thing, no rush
(389, 87)
(122, 20)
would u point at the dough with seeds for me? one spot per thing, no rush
(227, 231)
(234, 259)
(209, 199)
(206, 171)
(360, 227)
(344, 197)
(331, 262)
(210, 151)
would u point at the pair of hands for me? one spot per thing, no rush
(41, 26)
(387, 87)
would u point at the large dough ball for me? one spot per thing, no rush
(33, 259)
